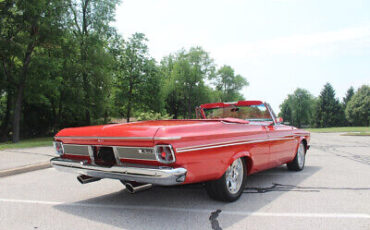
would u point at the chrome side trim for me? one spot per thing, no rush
(228, 142)
(158, 175)
(301, 135)
(215, 146)
(167, 138)
(219, 143)
(225, 144)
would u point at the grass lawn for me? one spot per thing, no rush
(34, 142)
(340, 130)
(356, 134)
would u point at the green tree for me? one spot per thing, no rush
(228, 84)
(56, 64)
(26, 26)
(297, 108)
(328, 111)
(357, 110)
(90, 22)
(349, 94)
(185, 75)
(62, 64)
(138, 79)
(171, 89)
(286, 110)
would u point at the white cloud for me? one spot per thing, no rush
(348, 40)
(260, 40)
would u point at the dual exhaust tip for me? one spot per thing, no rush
(131, 187)
(134, 187)
(83, 179)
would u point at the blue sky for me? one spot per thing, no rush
(277, 45)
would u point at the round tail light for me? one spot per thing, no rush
(164, 154)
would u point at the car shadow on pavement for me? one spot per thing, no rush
(187, 206)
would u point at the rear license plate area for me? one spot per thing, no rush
(104, 156)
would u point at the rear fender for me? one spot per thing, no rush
(305, 142)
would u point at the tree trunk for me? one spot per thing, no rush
(54, 114)
(106, 117)
(189, 107)
(184, 105)
(60, 110)
(129, 101)
(84, 60)
(174, 106)
(189, 102)
(20, 90)
(87, 99)
(17, 113)
(5, 123)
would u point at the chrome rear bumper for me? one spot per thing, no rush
(159, 176)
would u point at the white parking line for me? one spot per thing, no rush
(155, 208)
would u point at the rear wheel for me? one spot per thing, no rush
(231, 185)
(298, 162)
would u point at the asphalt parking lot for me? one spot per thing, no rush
(332, 192)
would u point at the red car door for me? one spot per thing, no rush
(282, 143)
(260, 149)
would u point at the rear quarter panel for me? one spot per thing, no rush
(207, 151)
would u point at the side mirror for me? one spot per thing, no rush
(279, 120)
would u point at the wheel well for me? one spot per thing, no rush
(304, 141)
(249, 163)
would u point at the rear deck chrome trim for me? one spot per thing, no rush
(120, 138)
(153, 175)
(104, 138)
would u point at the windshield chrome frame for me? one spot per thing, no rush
(271, 112)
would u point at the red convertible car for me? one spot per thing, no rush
(228, 142)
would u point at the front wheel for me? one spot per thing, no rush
(298, 162)
(231, 185)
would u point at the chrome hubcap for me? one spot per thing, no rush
(234, 176)
(300, 155)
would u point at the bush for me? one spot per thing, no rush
(144, 116)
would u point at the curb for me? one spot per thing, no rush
(24, 169)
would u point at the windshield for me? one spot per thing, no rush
(250, 113)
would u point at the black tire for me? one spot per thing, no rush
(218, 189)
(298, 164)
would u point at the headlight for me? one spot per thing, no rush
(58, 147)
(164, 154)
